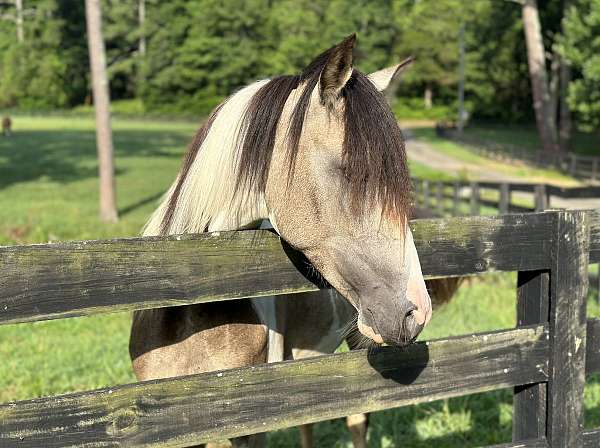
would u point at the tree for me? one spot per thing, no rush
(104, 144)
(536, 56)
(581, 47)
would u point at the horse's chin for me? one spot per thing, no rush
(369, 332)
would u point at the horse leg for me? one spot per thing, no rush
(306, 435)
(252, 441)
(357, 425)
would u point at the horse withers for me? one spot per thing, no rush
(319, 155)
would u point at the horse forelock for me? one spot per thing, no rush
(374, 157)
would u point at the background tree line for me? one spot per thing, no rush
(184, 56)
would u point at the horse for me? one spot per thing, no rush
(320, 156)
(6, 126)
(441, 291)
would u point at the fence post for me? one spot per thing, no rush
(456, 199)
(573, 167)
(568, 289)
(504, 202)
(439, 198)
(474, 198)
(541, 198)
(554, 410)
(426, 194)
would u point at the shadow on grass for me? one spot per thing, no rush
(70, 155)
(454, 423)
(142, 202)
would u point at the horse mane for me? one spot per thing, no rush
(373, 163)
(374, 157)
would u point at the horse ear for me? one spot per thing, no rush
(384, 77)
(337, 70)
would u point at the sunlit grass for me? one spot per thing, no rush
(460, 152)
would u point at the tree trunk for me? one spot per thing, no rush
(565, 124)
(19, 20)
(108, 208)
(539, 79)
(142, 24)
(461, 79)
(554, 87)
(428, 97)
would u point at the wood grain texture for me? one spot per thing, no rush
(50, 281)
(594, 223)
(529, 401)
(590, 438)
(568, 288)
(198, 408)
(535, 443)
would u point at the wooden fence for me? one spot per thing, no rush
(544, 359)
(576, 165)
(449, 197)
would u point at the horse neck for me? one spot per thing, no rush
(208, 198)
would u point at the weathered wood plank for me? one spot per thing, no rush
(568, 288)
(590, 438)
(456, 189)
(594, 222)
(198, 408)
(535, 443)
(79, 278)
(529, 401)
(50, 281)
(540, 198)
(439, 198)
(477, 244)
(504, 199)
(475, 206)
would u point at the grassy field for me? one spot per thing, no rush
(527, 137)
(48, 191)
(457, 151)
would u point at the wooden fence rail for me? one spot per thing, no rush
(544, 358)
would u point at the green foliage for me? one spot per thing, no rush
(414, 109)
(581, 45)
(33, 72)
(198, 52)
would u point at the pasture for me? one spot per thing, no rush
(48, 191)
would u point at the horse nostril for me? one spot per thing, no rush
(410, 312)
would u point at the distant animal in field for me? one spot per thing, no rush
(6, 126)
(321, 157)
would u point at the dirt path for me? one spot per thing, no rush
(422, 152)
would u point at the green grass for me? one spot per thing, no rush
(527, 137)
(463, 153)
(48, 190)
(424, 172)
(48, 176)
